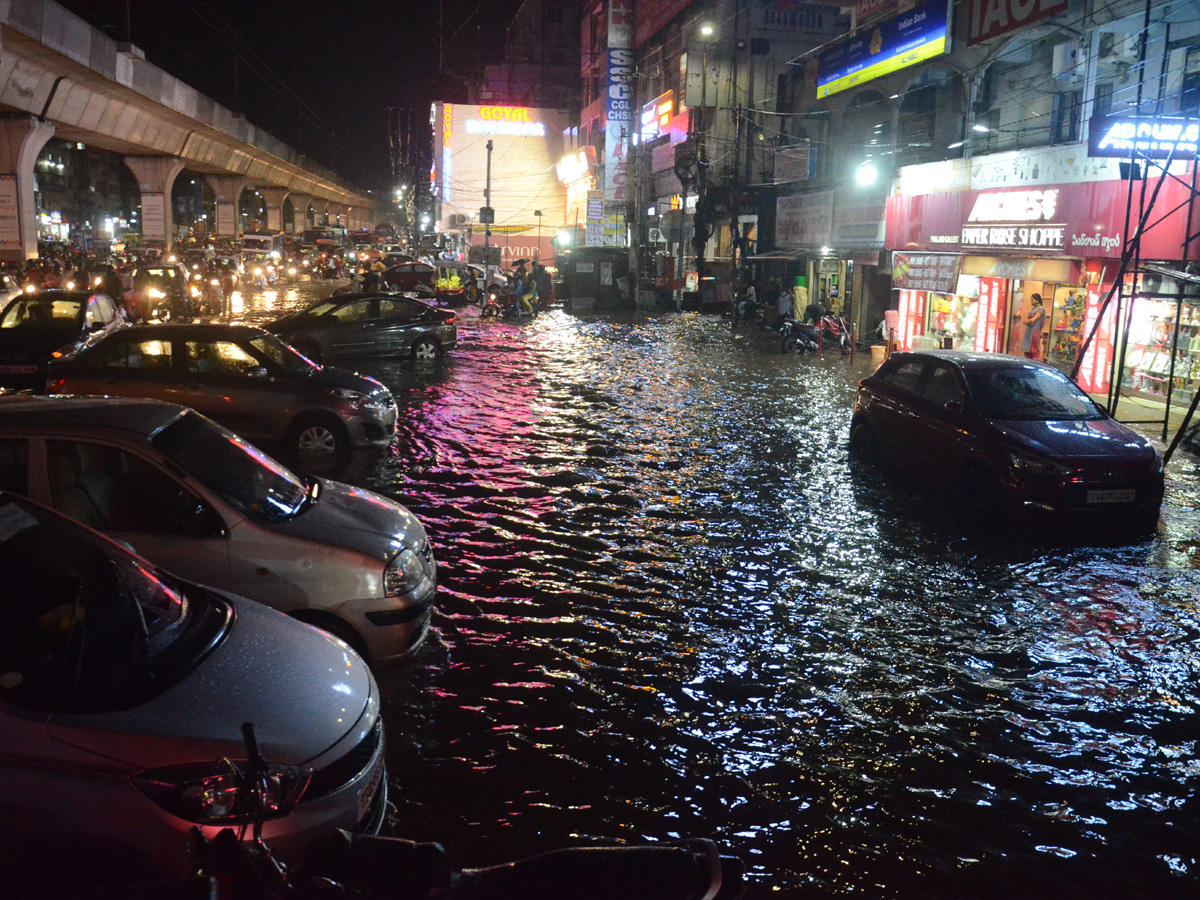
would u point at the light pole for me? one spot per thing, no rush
(486, 218)
(537, 251)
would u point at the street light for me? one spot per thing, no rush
(537, 251)
(866, 174)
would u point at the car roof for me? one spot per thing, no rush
(182, 331)
(143, 417)
(970, 359)
(60, 294)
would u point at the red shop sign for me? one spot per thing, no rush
(912, 315)
(989, 317)
(1097, 362)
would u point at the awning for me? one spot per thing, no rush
(783, 254)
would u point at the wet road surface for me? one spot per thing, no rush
(672, 607)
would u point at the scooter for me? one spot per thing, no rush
(503, 304)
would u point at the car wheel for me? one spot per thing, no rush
(426, 348)
(320, 436)
(862, 441)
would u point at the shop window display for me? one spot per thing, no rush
(1153, 340)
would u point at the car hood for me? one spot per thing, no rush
(295, 320)
(358, 520)
(302, 689)
(35, 344)
(1070, 439)
(333, 377)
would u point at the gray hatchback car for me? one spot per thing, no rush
(246, 379)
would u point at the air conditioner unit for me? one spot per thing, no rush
(655, 236)
(458, 219)
(1066, 67)
(1119, 47)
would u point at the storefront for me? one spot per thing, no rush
(967, 263)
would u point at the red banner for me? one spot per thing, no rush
(1097, 362)
(989, 315)
(937, 272)
(992, 18)
(912, 318)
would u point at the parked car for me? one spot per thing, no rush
(243, 377)
(369, 325)
(1009, 435)
(38, 325)
(202, 503)
(415, 277)
(121, 703)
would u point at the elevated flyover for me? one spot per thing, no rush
(60, 77)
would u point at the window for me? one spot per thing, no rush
(218, 358)
(109, 489)
(941, 388)
(149, 355)
(906, 376)
(352, 312)
(14, 465)
(397, 307)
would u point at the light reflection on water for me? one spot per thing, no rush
(672, 607)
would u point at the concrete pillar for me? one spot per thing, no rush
(337, 214)
(320, 211)
(156, 176)
(274, 197)
(228, 189)
(300, 204)
(21, 140)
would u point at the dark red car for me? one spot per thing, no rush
(417, 277)
(1008, 435)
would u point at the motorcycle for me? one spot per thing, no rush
(359, 866)
(798, 337)
(260, 277)
(834, 332)
(504, 304)
(207, 297)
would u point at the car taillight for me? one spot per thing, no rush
(56, 385)
(450, 319)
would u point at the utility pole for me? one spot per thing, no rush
(633, 150)
(486, 217)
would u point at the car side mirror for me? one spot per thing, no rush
(96, 326)
(257, 372)
(955, 407)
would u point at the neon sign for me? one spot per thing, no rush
(1015, 206)
(656, 116)
(510, 128)
(1151, 137)
(505, 113)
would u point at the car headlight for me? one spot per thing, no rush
(358, 399)
(213, 793)
(156, 293)
(292, 270)
(1025, 464)
(258, 271)
(406, 570)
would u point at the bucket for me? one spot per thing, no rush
(878, 353)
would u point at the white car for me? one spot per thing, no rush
(205, 505)
(122, 696)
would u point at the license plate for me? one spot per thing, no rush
(1125, 496)
(18, 370)
(367, 794)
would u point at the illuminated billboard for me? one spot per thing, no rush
(656, 116)
(919, 34)
(1150, 137)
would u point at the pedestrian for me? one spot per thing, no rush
(783, 304)
(1031, 342)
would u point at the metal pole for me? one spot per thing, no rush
(487, 226)
(632, 151)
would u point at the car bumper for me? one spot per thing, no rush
(372, 431)
(1090, 500)
(392, 628)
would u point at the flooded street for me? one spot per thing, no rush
(672, 607)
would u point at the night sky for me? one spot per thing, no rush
(318, 75)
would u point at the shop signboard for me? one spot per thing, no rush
(869, 9)
(857, 221)
(910, 38)
(990, 313)
(912, 318)
(792, 164)
(1096, 369)
(656, 116)
(619, 114)
(10, 220)
(804, 220)
(1147, 137)
(992, 18)
(937, 272)
(1084, 220)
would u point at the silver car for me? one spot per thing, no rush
(203, 504)
(122, 695)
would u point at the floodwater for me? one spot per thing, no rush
(671, 607)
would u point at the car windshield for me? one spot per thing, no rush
(85, 625)
(319, 309)
(35, 311)
(282, 355)
(255, 485)
(1030, 393)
